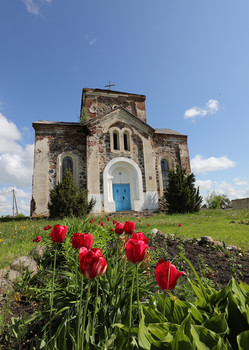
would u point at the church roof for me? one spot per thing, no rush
(168, 132)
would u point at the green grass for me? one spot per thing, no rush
(16, 237)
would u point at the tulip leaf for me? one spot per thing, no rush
(182, 338)
(243, 340)
(152, 315)
(217, 324)
(205, 339)
(175, 310)
(196, 314)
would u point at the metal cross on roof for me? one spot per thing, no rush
(109, 85)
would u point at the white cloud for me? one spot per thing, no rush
(33, 6)
(204, 185)
(239, 182)
(211, 107)
(90, 42)
(16, 168)
(201, 165)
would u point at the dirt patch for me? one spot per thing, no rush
(218, 264)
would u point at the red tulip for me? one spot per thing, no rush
(82, 240)
(129, 227)
(119, 228)
(114, 222)
(179, 225)
(91, 221)
(47, 228)
(108, 219)
(37, 239)
(111, 230)
(58, 233)
(92, 263)
(167, 275)
(140, 236)
(148, 224)
(135, 250)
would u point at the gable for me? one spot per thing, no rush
(119, 115)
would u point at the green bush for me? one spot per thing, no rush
(66, 200)
(216, 201)
(181, 195)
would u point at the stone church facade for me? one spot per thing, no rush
(121, 160)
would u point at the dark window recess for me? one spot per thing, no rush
(126, 147)
(67, 164)
(115, 140)
(165, 170)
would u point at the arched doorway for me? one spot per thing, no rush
(123, 188)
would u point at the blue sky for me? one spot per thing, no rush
(189, 57)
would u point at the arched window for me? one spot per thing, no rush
(126, 142)
(115, 140)
(67, 163)
(165, 170)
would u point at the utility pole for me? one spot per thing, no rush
(14, 203)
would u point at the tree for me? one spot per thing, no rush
(216, 201)
(67, 200)
(181, 195)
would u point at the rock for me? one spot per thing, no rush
(207, 239)
(38, 252)
(232, 222)
(14, 276)
(217, 243)
(3, 272)
(24, 263)
(154, 231)
(5, 287)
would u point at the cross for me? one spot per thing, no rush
(109, 85)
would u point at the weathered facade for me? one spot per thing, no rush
(120, 159)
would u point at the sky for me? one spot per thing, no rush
(189, 57)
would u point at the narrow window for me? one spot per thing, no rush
(165, 170)
(115, 140)
(126, 145)
(67, 163)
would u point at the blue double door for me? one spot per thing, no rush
(121, 196)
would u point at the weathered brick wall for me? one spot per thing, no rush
(105, 154)
(97, 105)
(61, 140)
(239, 204)
(170, 146)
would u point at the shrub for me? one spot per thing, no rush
(67, 200)
(215, 201)
(181, 194)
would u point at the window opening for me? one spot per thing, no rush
(126, 147)
(67, 164)
(115, 140)
(165, 171)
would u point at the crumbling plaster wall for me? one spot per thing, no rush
(51, 142)
(98, 104)
(174, 148)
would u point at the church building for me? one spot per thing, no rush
(121, 160)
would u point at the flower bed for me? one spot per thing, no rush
(97, 291)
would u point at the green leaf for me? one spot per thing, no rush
(152, 316)
(217, 324)
(243, 340)
(143, 334)
(204, 338)
(183, 337)
(40, 344)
